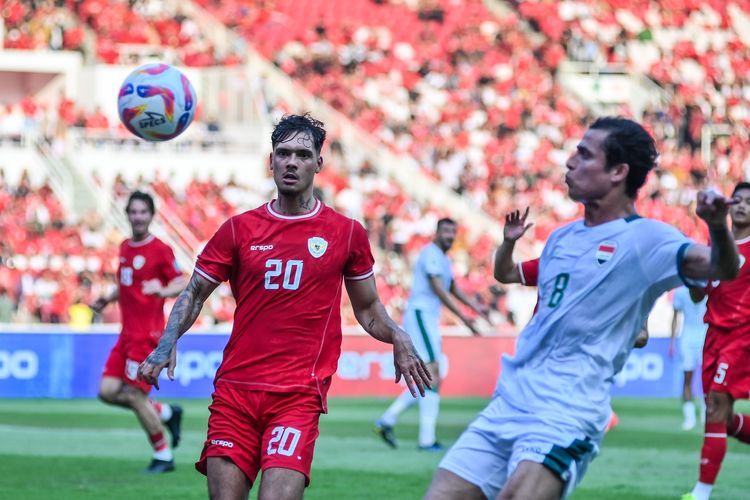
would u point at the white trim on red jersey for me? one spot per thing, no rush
(141, 243)
(206, 275)
(312, 213)
(360, 278)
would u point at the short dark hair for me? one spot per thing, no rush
(445, 220)
(739, 186)
(291, 125)
(144, 197)
(628, 142)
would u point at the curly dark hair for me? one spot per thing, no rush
(628, 142)
(291, 125)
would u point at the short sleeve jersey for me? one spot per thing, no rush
(728, 306)
(693, 329)
(285, 273)
(140, 261)
(431, 262)
(596, 287)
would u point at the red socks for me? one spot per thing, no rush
(740, 428)
(714, 449)
(158, 441)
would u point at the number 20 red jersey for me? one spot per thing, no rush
(286, 274)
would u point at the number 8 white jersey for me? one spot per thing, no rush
(597, 286)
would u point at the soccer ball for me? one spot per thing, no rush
(156, 102)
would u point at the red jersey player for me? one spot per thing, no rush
(285, 262)
(726, 353)
(147, 274)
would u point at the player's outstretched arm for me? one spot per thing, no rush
(437, 287)
(184, 313)
(172, 289)
(466, 300)
(374, 319)
(506, 270)
(721, 260)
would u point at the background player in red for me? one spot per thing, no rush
(147, 274)
(285, 262)
(726, 353)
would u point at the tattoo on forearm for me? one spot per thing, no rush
(370, 325)
(184, 313)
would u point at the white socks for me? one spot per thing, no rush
(165, 454)
(702, 491)
(688, 412)
(429, 407)
(400, 405)
(166, 412)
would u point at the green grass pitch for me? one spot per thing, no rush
(82, 449)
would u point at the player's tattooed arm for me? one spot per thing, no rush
(371, 314)
(184, 313)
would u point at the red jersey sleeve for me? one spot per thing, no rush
(360, 261)
(216, 260)
(170, 269)
(529, 271)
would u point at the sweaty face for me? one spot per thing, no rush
(740, 213)
(140, 217)
(294, 163)
(588, 178)
(445, 236)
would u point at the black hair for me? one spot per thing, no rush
(740, 185)
(291, 125)
(445, 220)
(628, 142)
(144, 197)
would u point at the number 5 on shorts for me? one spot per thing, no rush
(283, 441)
(721, 373)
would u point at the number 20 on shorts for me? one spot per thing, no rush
(283, 441)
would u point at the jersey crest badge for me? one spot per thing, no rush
(139, 261)
(606, 251)
(317, 246)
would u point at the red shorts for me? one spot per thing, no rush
(726, 363)
(260, 430)
(123, 362)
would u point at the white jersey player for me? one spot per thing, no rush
(432, 286)
(598, 279)
(692, 332)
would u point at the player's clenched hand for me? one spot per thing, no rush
(409, 365)
(151, 368)
(515, 225)
(713, 207)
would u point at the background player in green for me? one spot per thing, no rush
(432, 285)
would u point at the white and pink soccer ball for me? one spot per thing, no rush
(156, 102)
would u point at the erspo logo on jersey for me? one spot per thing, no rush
(260, 248)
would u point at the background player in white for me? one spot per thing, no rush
(598, 279)
(433, 285)
(692, 333)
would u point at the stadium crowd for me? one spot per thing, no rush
(470, 94)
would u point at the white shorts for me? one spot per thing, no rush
(424, 333)
(691, 356)
(490, 449)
